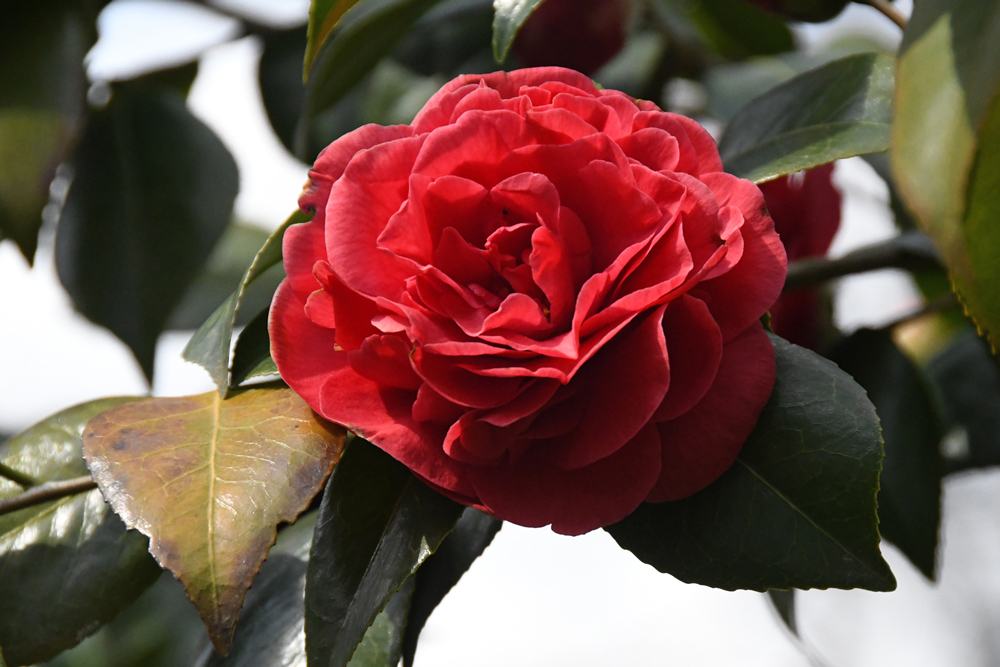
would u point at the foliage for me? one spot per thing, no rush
(97, 500)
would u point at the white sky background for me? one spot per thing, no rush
(535, 598)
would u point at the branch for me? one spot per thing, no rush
(912, 251)
(935, 306)
(16, 476)
(888, 10)
(46, 492)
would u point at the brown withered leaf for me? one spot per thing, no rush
(209, 480)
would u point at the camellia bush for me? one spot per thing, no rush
(523, 283)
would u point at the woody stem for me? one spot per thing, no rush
(912, 251)
(43, 493)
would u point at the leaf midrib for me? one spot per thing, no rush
(840, 126)
(371, 561)
(213, 448)
(805, 516)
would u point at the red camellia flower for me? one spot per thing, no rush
(805, 208)
(541, 297)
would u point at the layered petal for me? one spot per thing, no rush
(534, 492)
(703, 443)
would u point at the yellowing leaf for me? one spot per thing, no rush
(208, 480)
(944, 143)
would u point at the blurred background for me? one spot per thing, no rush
(534, 598)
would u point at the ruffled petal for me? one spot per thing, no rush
(694, 348)
(624, 385)
(741, 295)
(533, 492)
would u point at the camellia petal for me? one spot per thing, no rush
(699, 446)
(535, 493)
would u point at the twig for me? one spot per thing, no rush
(888, 10)
(43, 493)
(16, 476)
(934, 306)
(912, 251)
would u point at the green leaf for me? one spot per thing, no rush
(370, 33)
(377, 524)
(796, 510)
(270, 632)
(67, 566)
(42, 92)
(968, 379)
(324, 15)
(910, 498)
(813, 11)
(451, 39)
(945, 137)
(382, 644)
(209, 480)
(152, 192)
(836, 111)
(784, 603)
(222, 275)
(280, 80)
(160, 629)
(439, 574)
(252, 355)
(736, 29)
(210, 345)
(507, 21)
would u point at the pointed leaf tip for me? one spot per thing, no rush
(209, 481)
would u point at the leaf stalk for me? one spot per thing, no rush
(43, 493)
(16, 476)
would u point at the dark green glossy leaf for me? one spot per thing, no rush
(377, 524)
(368, 34)
(796, 510)
(280, 79)
(210, 345)
(813, 11)
(209, 480)
(252, 355)
(42, 89)
(968, 379)
(324, 15)
(153, 191)
(450, 39)
(839, 110)
(910, 496)
(784, 603)
(222, 275)
(509, 17)
(284, 94)
(382, 644)
(271, 630)
(945, 140)
(439, 574)
(67, 566)
(737, 29)
(160, 629)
